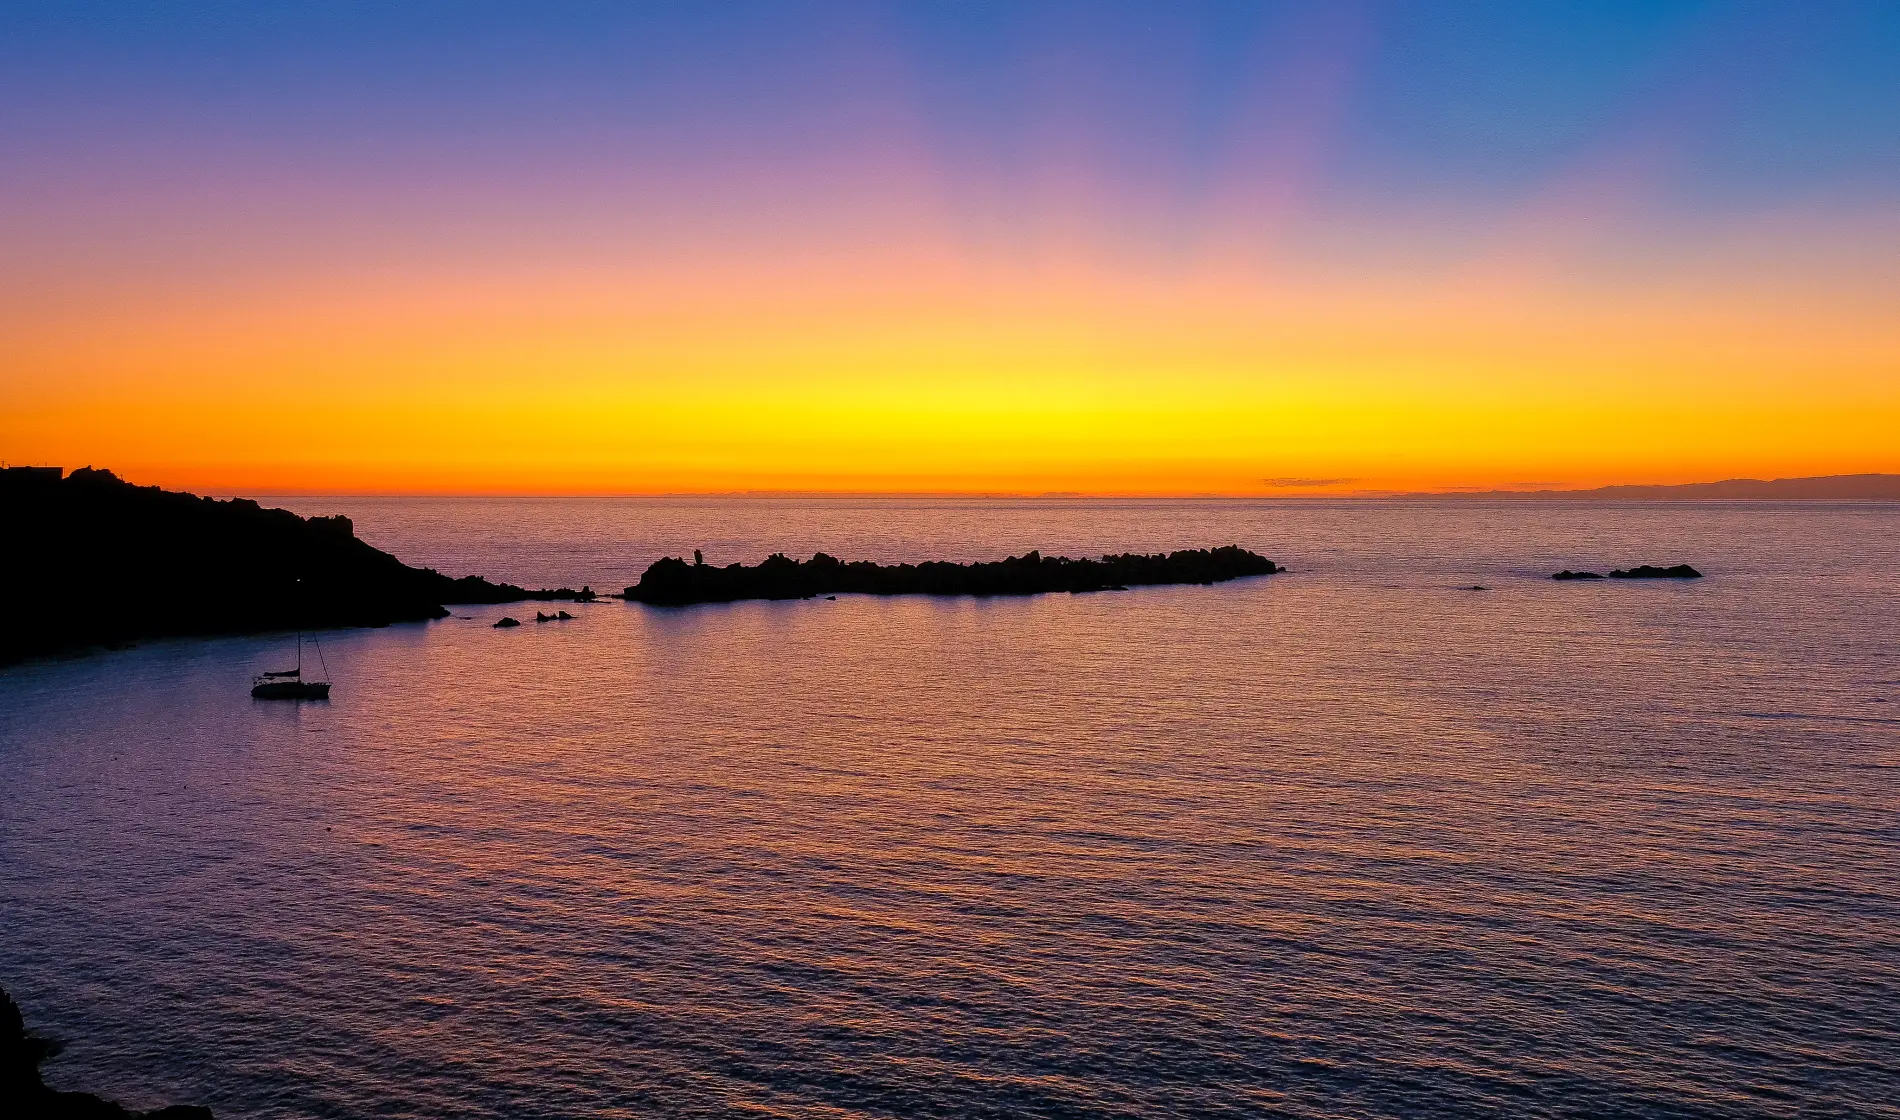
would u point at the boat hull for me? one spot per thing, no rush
(291, 690)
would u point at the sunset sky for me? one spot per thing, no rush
(1096, 247)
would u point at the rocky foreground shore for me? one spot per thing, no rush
(25, 1096)
(675, 582)
(93, 560)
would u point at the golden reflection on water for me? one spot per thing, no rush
(1346, 840)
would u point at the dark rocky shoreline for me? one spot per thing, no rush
(675, 582)
(179, 565)
(95, 561)
(26, 1096)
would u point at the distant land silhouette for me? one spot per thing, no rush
(674, 582)
(93, 560)
(1831, 487)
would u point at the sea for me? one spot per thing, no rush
(1357, 840)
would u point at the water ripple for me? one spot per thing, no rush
(1339, 844)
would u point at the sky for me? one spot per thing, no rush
(1167, 248)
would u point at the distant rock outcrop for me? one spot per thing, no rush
(24, 1096)
(674, 582)
(92, 560)
(1646, 571)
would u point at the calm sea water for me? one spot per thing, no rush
(1349, 841)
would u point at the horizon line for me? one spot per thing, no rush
(1281, 493)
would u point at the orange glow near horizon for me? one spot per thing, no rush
(931, 372)
(875, 265)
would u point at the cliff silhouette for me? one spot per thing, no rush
(24, 1095)
(93, 560)
(675, 582)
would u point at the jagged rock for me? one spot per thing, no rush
(674, 582)
(1647, 571)
(25, 1096)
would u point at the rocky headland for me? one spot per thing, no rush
(93, 560)
(677, 582)
(24, 1095)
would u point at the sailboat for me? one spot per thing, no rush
(288, 684)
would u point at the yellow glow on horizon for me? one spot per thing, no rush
(927, 371)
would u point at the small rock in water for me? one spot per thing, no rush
(506, 622)
(564, 617)
(1568, 574)
(1647, 571)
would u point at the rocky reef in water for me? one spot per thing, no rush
(24, 1095)
(1647, 571)
(677, 582)
(92, 560)
(1641, 571)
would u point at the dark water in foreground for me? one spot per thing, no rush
(1344, 842)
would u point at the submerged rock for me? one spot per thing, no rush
(507, 622)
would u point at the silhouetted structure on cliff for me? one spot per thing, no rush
(93, 560)
(674, 582)
(24, 1095)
